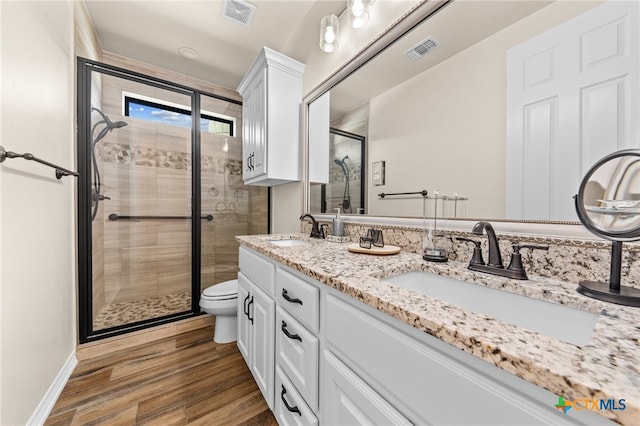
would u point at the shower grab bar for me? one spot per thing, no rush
(423, 193)
(60, 171)
(114, 216)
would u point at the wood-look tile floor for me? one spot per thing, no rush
(185, 379)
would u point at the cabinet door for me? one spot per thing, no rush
(247, 133)
(350, 401)
(259, 118)
(262, 354)
(244, 325)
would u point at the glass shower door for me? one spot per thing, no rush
(141, 202)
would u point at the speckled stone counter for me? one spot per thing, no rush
(606, 368)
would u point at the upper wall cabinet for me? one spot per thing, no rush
(271, 108)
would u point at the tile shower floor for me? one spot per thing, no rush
(129, 312)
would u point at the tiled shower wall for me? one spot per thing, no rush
(147, 171)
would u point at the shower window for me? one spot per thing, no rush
(176, 115)
(160, 201)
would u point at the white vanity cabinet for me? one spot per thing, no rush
(256, 320)
(338, 361)
(271, 110)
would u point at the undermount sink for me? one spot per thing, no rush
(551, 319)
(290, 243)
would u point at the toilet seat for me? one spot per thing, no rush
(227, 290)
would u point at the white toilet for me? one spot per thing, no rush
(221, 300)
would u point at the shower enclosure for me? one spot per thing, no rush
(345, 189)
(160, 198)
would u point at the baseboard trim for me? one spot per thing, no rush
(43, 410)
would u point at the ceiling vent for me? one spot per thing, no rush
(239, 11)
(422, 48)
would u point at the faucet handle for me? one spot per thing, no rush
(477, 251)
(515, 265)
(529, 246)
(323, 230)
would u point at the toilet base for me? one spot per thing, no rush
(225, 329)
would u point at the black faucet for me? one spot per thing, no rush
(495, 259)
(495, 266)
(316, 230)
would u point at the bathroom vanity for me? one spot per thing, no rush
(331, 340)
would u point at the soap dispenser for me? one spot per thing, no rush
(338, 225)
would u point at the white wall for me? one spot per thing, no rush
(445, 129)
(37, 231)
(287, 199)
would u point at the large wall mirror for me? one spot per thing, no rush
(502, 109)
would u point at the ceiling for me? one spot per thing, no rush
(154, 31)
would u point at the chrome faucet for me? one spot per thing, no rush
(495, 259)
(316, 230)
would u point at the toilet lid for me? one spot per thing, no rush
(225, 290)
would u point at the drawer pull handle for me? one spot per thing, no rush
(293, 409)
(288, 334)
(248, 310)
(289, 298)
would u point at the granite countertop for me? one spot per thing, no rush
(608, 367)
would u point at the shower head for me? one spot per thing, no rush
(110, 124)
(341, 162)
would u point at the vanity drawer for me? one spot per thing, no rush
(297, 355)
(299, 298)
(260, 270)
(290, 408)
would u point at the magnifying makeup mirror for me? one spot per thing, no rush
(608, 205)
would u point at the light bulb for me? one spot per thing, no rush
(358, 13)
(329, 35)
(357, 7)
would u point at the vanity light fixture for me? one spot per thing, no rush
(358, 11)
(329, 31)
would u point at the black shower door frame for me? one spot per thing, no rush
(363, 173)
(85, 68)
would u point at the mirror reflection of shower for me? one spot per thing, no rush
(109, 125)
(346, 198)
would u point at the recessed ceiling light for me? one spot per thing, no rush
(189, 53)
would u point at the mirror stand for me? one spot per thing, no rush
(612, 292)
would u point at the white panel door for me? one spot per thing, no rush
(244, 325)
(572, 97)
(350, 401)
(262, 313)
